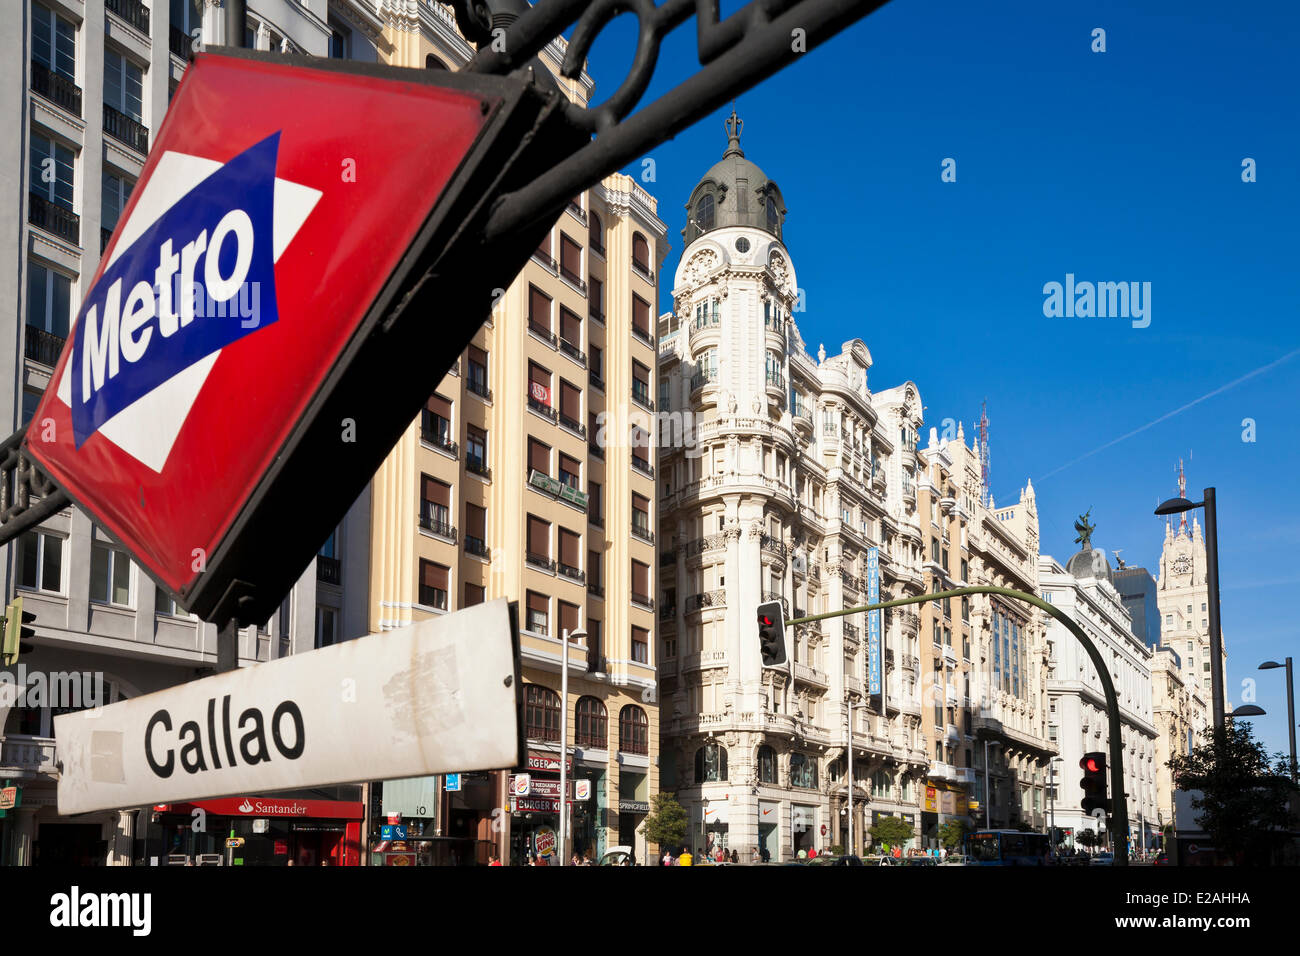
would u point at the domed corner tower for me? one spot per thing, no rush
(735, 288)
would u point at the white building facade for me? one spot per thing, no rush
(1077, 713)
(789, 479)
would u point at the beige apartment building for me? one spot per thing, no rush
(530, 475)
(1172, 707)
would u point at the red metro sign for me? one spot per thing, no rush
(242, 359)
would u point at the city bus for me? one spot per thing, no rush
(1007, 848)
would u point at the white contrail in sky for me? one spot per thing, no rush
(1196, 401)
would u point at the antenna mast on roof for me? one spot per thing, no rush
(984, 453)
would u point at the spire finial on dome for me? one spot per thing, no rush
(735, 126)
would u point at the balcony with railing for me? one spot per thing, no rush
(644, 270)
(852, 632)
(126, 130)
(478, 466)
(479, 387)
(41, 346)
(540, 561)
(541, 408)
(570, 572)
(179, 42)
(20, 754)
(772, 545)
(476, 546)
(643, 466)
(776, 380)
(132, 11)
(56, 88)
(329, 570)
(596, 589)
(643, 533)
(573, 279)
(52, 217)
(578, 211)
(546, 260)
(700, 379)
(439, 527)
(643, 600)
(574, 352)
(641, 395)
(707, 599)
(434, 434)
(539, 331)
(573, 425)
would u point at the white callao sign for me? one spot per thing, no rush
(436, 697)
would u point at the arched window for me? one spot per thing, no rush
(541, 712)
(592, 723)
(633, 730)
(704, 218)
(595, 232)
(710, 763)
(773, 217)
(640, 252)
(803, 771)
(766, 765)
(431, 62)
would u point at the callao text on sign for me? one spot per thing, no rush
(439, 694)
(264, 314)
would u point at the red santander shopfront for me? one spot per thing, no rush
(276, 831)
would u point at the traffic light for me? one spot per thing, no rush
(1094, 783)
(16, 631)
(771, 634)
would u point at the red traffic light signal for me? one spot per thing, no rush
(771, 634)
(1094, 783)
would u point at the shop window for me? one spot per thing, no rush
(710, 763)
(803, 771)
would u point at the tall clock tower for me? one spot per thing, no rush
(1183, 599)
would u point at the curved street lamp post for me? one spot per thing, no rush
(1118, 819)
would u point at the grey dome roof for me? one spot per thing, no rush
(1091, 563)
(738, 190)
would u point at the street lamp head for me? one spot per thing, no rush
(1248, 710)
(1176, 506)
(1269, 665)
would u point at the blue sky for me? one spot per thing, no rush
(1116, 166)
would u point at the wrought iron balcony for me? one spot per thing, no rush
(479, 388)
(593, 312)
(41, 346)
(707, 599)
(645, 534)
(104, 236)
(126, 130)
(643, 466)
(644, 269)
(595, 450)
(545, 258)
(642, 396)
(56, 88)
(329, 570)
(643, 600)
(132, 11)
(542, 408)
(700, 379)
(180, 42)
(434, 433)
(476, 546)
(598, 590)
(575, 279)
(542, 332)
(595, 381)
(578, 211)
(573, 425)
(478, 466)
(441, 528)
(540, 561)
(574, 352)
(570, 572)
(52, 217)
(643, 335)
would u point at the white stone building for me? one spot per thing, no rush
(797, 474)
(1078, 721)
